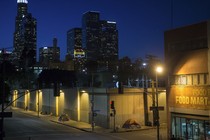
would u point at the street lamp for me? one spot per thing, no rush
(158, 70)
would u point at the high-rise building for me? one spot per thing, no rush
(100, 40)
(109, 45)
(25, 37)
(91, 34)
(49, 54)
(74, 48)
(74, 41)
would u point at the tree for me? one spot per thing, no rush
(125, 69)
(6, 91)
(152, 62)
(130, 72)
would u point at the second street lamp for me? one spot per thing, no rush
(158, 70)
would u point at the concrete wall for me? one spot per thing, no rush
(161, 102)
(47, 102)
(67, 102)
(101, 109)
(77, 104)
(128, 106)
(70, 105)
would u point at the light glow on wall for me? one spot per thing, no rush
(56, 105)
(61, 102)
(27, 99)
(38, 100)
(15, 95)
(78, 105)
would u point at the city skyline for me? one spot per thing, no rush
(141, 24)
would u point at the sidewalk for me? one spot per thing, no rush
(76, 124)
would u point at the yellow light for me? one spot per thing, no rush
(159, 69)
(15, 94)
(38, 100)
(78, 105)
(83, 91)
(56, 105)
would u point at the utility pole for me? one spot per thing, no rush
(158, 125)
(92, 104)
(153, 100)
(38, 103)
(146, 120)
(3, 98)
(112, 107)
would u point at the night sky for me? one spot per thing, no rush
(141, 23)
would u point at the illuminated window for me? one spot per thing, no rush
(183, 80)
(195, 79)
(189, 79)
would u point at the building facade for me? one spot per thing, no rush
(109, 45)
(25, 37)
(91, 34)
(74, 41)
(188, 92)
(74, 48)
(49, 54)
(100, 40)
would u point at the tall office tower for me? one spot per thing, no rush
(25, 35)
(108, 58)
(74, 48)
(74, 41)
(100, 39)
(49, 54)
(91, 35)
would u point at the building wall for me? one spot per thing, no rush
(131, 106)
(71, 103)
(188, 93)
(77, 103)
(128, 106)
(101, 109)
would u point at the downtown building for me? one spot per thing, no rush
(75, 51)
(188, 92)
(49, 54)
(25, 37)
(100, 41)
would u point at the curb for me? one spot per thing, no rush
(71, 126)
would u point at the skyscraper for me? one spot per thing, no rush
(74, 41)
(91, 34)
(74, 48)
(100, 39)
(25, 37)
(49, 54)
(108, 57)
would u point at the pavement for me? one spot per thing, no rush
(81, 125)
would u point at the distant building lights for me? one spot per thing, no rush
(22, 1)
(112, 22)
(144, 64)
(45, 48)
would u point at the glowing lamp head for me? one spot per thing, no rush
(159, 69)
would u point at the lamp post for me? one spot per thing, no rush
(145, 86)
(38, 104)
(158, 70)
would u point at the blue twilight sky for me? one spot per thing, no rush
(141, 23)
